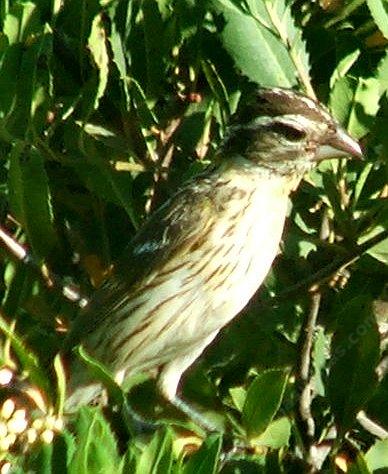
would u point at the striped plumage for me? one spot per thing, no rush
(199, 259)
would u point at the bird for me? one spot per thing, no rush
(199, 259)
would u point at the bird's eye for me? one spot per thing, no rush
(290, 132)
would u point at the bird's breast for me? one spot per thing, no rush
(194, 296)
(241, 246)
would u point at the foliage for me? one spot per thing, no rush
(106, 106)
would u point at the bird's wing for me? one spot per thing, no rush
(171, 231)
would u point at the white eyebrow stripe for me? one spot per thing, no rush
(311, 104)
(296, 120)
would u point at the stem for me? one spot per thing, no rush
(338, 264)
(302, 73)
(53, 281)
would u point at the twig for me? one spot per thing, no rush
(16, 249)
(335, 266)
(163, 158)
(306, 382)
(309, 331)
(306, 379)
(371, 426)
(53, 281)
(304, 75)
(382, 368)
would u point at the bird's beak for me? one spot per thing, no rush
(340, 145)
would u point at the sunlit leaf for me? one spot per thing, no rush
(157, 456)
(354, 102)
(206, 460)
(276, 435)
(98, 47)
(97, 448)
(376, 457)
(379, 10)
(255, 48)
(31, 198)
(263, 401)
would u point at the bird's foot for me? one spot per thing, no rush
(198, 418)
(136, 424)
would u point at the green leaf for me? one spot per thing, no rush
(344, 12)
(283, 24)
(377, 456)
(40, 459)
(76, 19)
(382, 73)
(98, 47)
(21, 21)
(263, 401)
(319, 360)
(25, 74)
(30, 198)
(116, 394)
(379, 11)
(61, 383)
(116, 42)
(254, 45)
(380, 250)
(355, 353)
(238, 395)
(276, 435)
(355, 102)
(28, 360)
(333, 198)
(154, 34)
(96, 445)
(121, 187)
(18, 279)
(63, 449)
(103, 375)
(9, 69)
(206, 459)
(118, 50)
(99, 175)
(157, 456)
(146, 115)
(360, 183)
(359, 466)
(218, 89)
(344, 65)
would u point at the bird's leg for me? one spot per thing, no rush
(194, 415)
(170, 376)
(136, 423)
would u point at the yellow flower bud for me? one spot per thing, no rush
(7, 409)
(32, 435)
(3, 429)
(47, 436)
(5, 468)
(17, 425)
(6, 376)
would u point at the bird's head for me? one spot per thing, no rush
(286, 131)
